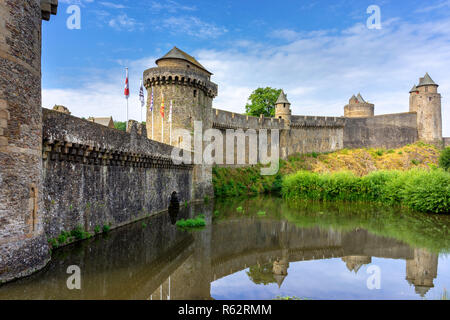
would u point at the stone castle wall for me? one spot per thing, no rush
(95, 176)
(23, 246)
(383, 131)
(304, 134)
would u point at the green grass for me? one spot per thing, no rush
(197, 222)
(261, 213)
(420, 190)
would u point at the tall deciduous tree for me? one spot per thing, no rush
(262, 101)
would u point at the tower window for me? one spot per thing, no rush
(195, 93)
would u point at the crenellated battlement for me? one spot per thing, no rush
(229, 120)
(315, 121)
(48, 7)
(179, 76)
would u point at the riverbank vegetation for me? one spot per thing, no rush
(232, 182)
(406, 176)
(198, 222)
(418, 189)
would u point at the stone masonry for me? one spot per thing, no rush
(58, 172)
(23, 245)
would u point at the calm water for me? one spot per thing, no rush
(312, 251)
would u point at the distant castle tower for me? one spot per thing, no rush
(359, 108)
(283, 108)
(425, 100)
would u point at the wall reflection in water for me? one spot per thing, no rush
(157, 261)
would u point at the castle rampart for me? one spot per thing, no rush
(383, 131)
(96, 176)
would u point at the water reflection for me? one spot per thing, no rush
(244, 255)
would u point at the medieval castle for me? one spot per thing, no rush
(181, 78)
(58, 172)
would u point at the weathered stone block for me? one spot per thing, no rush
(4, 114)
(3, 123)
(3, 141)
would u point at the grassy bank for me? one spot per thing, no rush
(231, 182)
(419, 189)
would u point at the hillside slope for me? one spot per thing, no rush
(241, 181)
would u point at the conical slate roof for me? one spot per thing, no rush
(360, 98)
(414, 89)
(176, 53)
(282, 98)
(426, 81)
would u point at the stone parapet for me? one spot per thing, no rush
(179, 76)
(48, 7)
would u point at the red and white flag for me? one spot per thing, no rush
(127, 87)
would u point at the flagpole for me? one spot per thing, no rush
(162, 137)
(127, 93)
(170, 128)
(152, 114)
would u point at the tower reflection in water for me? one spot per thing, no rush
(163, 262)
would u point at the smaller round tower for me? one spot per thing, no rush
(283, 108)
(359, 108)
(425, 100)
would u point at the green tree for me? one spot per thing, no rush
(119, 125)
(444, 160)
(262, 101)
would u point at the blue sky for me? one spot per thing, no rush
(320, 52)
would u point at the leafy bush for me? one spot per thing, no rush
(444, 159)
(420, 190)
(197, 222)
(428, 192)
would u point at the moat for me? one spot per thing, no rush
(257, 248)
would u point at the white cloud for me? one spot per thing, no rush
(319, 72)
(112, 5)
(193, 27)
(443, 4)
(76, 2)
(124, 23)
(170, 6)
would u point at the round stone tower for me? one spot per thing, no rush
(283, 108)
(359, 108)
(425, 100)
(23, 245)
(181, 81)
